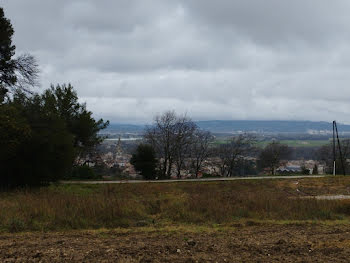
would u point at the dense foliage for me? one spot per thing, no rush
(145, 162)
(36, 147)
(83, 172)
(7, 50)
(62, 101)
(41, 137)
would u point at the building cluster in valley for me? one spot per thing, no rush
(115, 157)
(297, 166)
(211, 166)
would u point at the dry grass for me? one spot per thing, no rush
(65, 207)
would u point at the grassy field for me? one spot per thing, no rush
(291, 143)
(67, 207)
(298, 143)
(231, 221)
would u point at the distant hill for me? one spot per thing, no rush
(231, 126)
(124, 128)
(268, 126)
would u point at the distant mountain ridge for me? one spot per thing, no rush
(269, 126)
(231, 126)
(118, 127)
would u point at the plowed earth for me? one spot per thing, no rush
(240, 243)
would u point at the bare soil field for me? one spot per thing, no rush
(234, 221)
(237, 243)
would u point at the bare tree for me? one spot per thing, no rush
(272, 156)
(27, 72)
(172, 137)
(169, 136)
(200, 150)
(15, 73)
(161, 137)
(183, 140)
(232, 154)
(325, 154)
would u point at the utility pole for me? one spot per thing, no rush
(335, 131)
(334, 153)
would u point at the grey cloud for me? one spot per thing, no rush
(212, 59)
(275, 21)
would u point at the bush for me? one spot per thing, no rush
(145, 162)
(84, 172)
(206, 175)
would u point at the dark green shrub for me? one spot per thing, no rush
(84, 172)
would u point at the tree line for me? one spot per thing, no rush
(175, 146)
(41, 135)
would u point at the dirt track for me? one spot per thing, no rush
(271, 243)
(216, 179)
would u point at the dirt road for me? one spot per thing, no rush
(239, 243)
(194, 180)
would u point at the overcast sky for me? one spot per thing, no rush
(233, 59)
